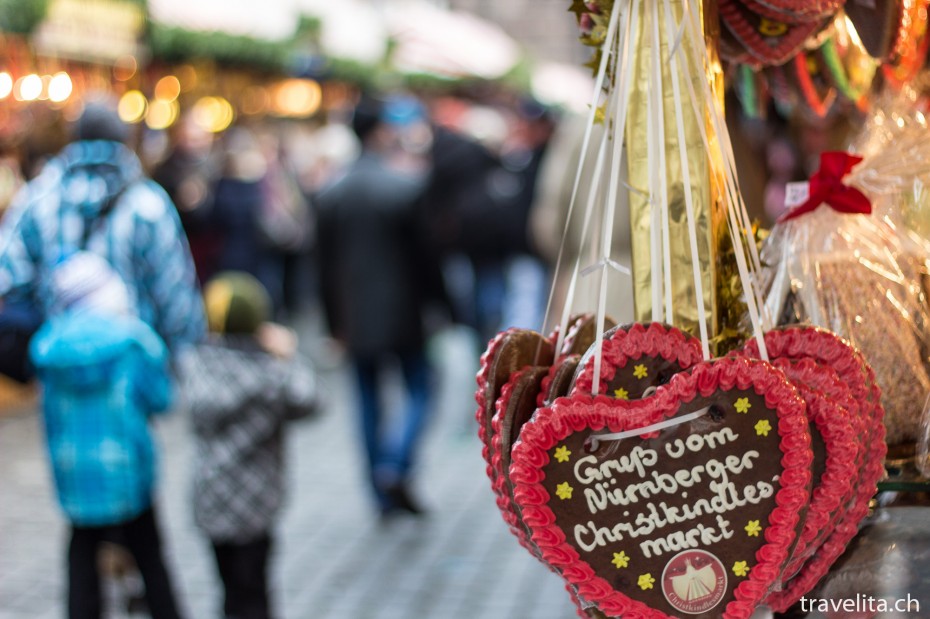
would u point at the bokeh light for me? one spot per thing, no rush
(168, 88)
(6, 84)
(28, 88)
(255, 100)
(124, 68)
(60, 87)
(298, 98)
(187, 76)
(161, 114)
(213, 114)
(132, 107)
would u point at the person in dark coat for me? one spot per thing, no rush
(238, 202)
(188, 174)
(376, 282)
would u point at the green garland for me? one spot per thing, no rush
(177, 45)
(21, 16)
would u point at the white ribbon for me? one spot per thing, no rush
(606, 51)
(596, 439)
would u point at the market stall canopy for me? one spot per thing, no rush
(562, 85)
(419, 36)
(349, 29)
(448, 43)
(275, 21)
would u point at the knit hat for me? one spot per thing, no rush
(236, 303)
(366, 117)
(86, 281)
(100, 121)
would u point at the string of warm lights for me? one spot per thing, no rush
(34, 87)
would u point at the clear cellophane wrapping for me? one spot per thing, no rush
(867, 277)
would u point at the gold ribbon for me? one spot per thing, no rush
(710, 216)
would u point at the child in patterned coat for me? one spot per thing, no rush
(242, 387)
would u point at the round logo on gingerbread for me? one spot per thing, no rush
(694, 581)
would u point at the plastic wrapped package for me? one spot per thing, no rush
(863, 278)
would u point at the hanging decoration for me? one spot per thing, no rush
(592, 441)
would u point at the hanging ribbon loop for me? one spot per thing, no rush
(826, 187)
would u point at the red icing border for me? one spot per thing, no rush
(634, 341)
(830, 349)
(830, 498)
(577, 413)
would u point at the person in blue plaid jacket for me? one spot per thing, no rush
(94, 198)
(93, 195)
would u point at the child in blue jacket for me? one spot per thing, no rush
(103, 372)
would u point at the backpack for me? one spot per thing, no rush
(20, 318)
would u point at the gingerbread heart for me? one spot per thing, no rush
(581, 333)
(795, 11)
(510, 384)
(834, 442)
(508, 352)
(767, 42)
(637, 358)
(683, 502)
(515, 406)
(558, 381)
(830, 350)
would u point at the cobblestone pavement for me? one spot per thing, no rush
(333, 558)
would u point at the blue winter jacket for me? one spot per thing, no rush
(102, 376)
(141, 237)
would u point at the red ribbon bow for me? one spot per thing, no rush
(826, 186)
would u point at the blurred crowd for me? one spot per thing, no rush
(131, 262)
(247, 198)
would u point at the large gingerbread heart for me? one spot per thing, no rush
(696, 517)
(828, 349)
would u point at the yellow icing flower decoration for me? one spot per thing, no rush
(640, 371)
(753, 528)
(562, 454)
(564, 491)
(770, 28)
(740, 568)
(742, 405)
(621, 559)
(646, 581)
(763, 427)
(621, 394)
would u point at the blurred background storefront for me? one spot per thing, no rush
(294, 68)
(295, 59)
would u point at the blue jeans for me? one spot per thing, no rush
(391, 453)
